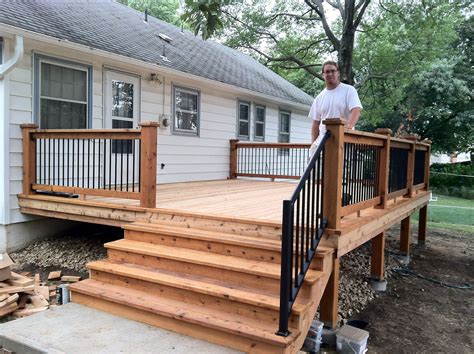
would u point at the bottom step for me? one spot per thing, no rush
(220, 328)
(74, 328)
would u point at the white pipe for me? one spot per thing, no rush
(14, 60)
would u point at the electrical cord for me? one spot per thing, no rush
(406, 272)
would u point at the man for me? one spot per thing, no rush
(337, 100)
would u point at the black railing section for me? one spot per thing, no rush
(360, 173)
(287, 162)
(108, 164)
(419, 172)
(303, 225)
(397, 178)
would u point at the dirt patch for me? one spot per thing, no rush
(418, 315)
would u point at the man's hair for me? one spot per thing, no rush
(329, 62)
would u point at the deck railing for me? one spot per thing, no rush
(268, 160)
(118, 163)
(302, 228)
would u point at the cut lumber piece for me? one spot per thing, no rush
(8, 309)
(19, 280)
(4, 285)
(4, 297)
(70, 278)
(11, 299)
(176, 310)
(16, 289)
(37, 278)
(28, 312)
(38, 300)
(42, 290)
(54, 275)
(26, 274)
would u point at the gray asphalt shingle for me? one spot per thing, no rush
(115, 28)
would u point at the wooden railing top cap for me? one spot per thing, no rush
(29, 125)
(149, 124)
(334, 121)
(385, 131)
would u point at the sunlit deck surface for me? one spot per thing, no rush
(237, 198)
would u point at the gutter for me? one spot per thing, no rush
(14, 60)
(154, 67)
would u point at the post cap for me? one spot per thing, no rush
(412, 137)
(334, 121)
(427, 141)
(149, 124)
(29, 125)
(384, 131)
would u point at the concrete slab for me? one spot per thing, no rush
(73, 328)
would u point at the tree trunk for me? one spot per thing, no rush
(345, 58)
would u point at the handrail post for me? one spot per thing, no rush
(411, 164)
(333, 165)
(29, 157)
(233, 159)
(148, 144)
(384, 167)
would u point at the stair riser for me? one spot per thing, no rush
(189, 296)
(245, 279)
(207, 246)
(191, 329)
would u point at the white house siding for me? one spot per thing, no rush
(184, 158)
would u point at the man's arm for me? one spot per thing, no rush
(353, 117)
(314, 130)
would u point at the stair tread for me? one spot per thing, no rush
(196, 284)
(259, 268)
(257, 242)
(184, 312)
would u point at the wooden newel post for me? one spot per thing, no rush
(384, 168)
(148, 144)
(233, 159)
(29, 157)
(411, 164)
(427, 165)
(333, 165)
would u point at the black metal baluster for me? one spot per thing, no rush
(297, 239)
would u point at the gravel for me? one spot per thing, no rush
(72, 251)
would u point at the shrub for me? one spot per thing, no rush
(455, 179)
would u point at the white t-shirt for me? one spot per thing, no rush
(335, 103)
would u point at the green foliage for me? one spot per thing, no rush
(451, 179)
(165, 10)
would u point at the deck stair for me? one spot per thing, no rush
(216, 286)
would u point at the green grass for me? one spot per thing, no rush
(451, 212)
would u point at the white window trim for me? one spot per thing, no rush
(260, 138)
(186, 132)
(280, 132)
(40, 59)
(247, 103)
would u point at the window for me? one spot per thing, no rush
(186, 111)
(244, 119)
(259, 122)
(1, 50)
(284, 127)
(62, 94)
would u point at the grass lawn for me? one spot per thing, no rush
(451, 213)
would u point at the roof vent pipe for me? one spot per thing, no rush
(146, 14)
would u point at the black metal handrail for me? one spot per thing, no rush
(303, 226)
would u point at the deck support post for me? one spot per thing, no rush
(422, 220)
(148, 141)
(233, 159)
(405, 232)
(384, 167)
(29, 157)
(333, 165)
(328, 307)
(377, 262)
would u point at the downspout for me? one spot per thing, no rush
(14, 60)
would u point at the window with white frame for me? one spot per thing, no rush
(244, 120)
(284, 127)
(62, 94)
(186, 111)
(259, 122)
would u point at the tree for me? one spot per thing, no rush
(287, 35)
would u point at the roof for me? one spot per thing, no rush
(115, 28)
